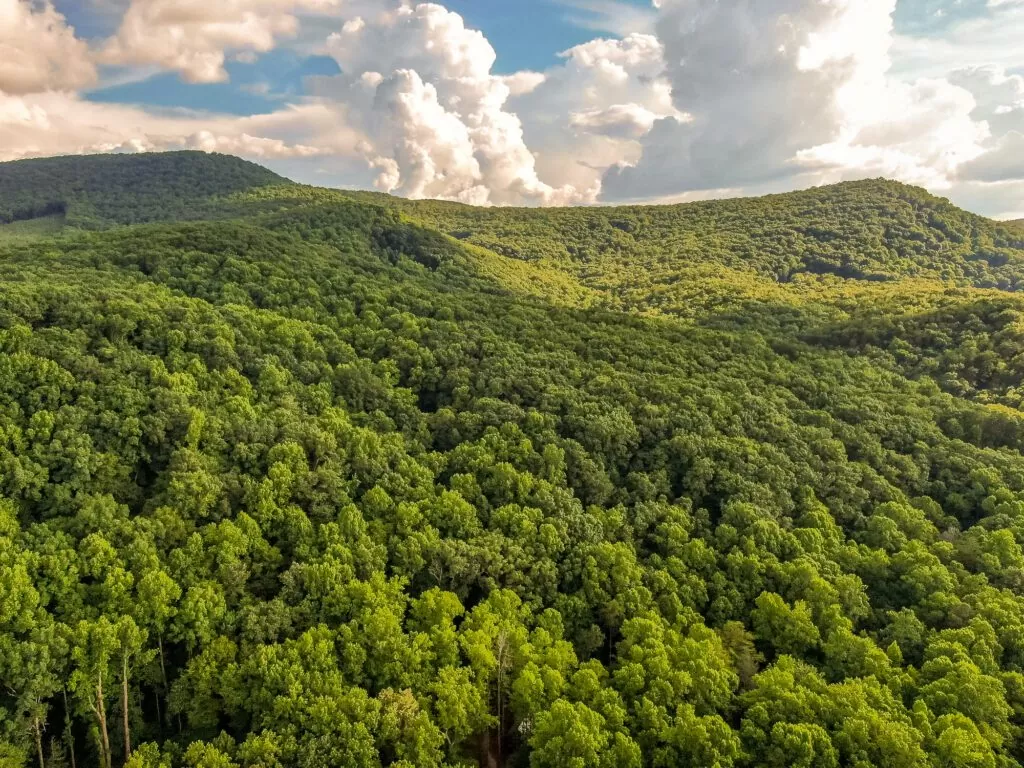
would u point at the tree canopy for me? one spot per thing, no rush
(299, 477)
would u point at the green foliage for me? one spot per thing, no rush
(312, 478)
(101, 190)
(32, 229)
(867, 230)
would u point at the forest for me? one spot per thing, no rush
(296, 477)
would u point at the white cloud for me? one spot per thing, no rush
(590, 112)
(246, 145)
(990, 39)
(999, 102)
(523, 83)
(1003, 162)
(999, 97)
(1000, 200)
(627, 121)
(193, 37)
(761, 82)
(432, 151)
(610, 16)
(789, 93)
(39, 51)
(418, 84)
(57, 123)
(921, 133)
(694, 99)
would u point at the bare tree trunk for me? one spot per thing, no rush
(101, 714)
(163, 669)
(69, 736)
(166, 688)
(487, 755)
(124, 708)
(39, 741)
(159, 714)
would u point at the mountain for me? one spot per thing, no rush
(98, 191)
(873, 230)
(293, 476)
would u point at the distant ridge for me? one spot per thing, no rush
(874, 229)
(98, 191)
(870, 230)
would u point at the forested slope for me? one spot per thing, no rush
(98, 191)
(337, 480)
(871, 230)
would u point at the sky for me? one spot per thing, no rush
(536, 102)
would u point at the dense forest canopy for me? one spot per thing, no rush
(300, 477)
(98, 191)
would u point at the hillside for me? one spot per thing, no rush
(301, 477)
(98, 191)
(871, 231)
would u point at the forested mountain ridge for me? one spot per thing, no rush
(99, 191)
(870, 230)
(336, 479)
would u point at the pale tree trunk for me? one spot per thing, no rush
(163, 669)
(38, 728)
(159, 713)
(101, 715)
(163, 677)
(124, 709)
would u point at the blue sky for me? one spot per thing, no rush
(526, 34)
(529, 34)
(688, 100)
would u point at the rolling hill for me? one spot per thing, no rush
(304, 477)
(98, 191)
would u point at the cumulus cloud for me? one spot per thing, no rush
(999, 101)
(39, 51)
(1003, 162)
(693, 99)
(629, 121)
(999, 97)
(194, 37)
(610, 16)
(57, 123)
(1000, 200)
(761, 82)
(712, 96)
(920, 133)
(523, 83)
(787, 93)
(589, 112)
(418, 84)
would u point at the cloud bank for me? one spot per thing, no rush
(689, 99)
(39, 51)
(193, 37)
